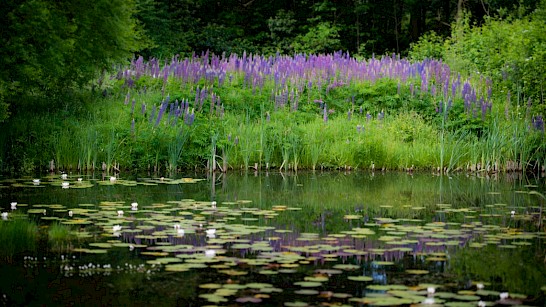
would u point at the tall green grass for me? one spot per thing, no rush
(60, 237)
(18, 235)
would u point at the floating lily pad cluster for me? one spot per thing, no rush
(254, 259)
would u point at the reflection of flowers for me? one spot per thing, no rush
(117, 230)
(211, 233)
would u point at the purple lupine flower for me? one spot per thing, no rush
(133, 106)
(153, 114)
(127, 98)
(236, 141)
(361, 110)
(368, 116)
(483, 107)
(160, 113)
(538, 123)
(133, 126)
(349, 115)
(358, 128)
(143, 108)
(229, 138)
(267, 117)
(381, 115)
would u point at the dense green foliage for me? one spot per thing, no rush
(508, 49)
(311, 26)
(51, 47)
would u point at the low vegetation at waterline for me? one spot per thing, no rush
(302, 112)
(18, 235)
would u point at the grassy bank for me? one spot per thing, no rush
(301, 112)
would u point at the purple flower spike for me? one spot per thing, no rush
(349, 115)
(538, 123)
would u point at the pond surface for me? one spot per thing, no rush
(317, 239)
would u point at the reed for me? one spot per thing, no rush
(60, 237)
(174, 149)
(18, 235)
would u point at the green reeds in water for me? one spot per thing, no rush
(174, 149)
(313, 148)
(246, 142)
(66, 155)
(88, 150)
(60, 237)
(18, 235)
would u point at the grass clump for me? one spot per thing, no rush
(18, 235)
(60, 237)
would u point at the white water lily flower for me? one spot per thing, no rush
(64, 176)
(65, 185)
(176, 226)
(180, 232)
(134, 205)
(116, 228)
(4, 215)
(209, 253)
(428, 301)
(112, 179)
(503, 295)
(80, 179)
(480, 286)
(211, 231)
(213, 203)
(120, 212)
(70, 213)
(36, 181)
(431, 290)
(14, 205)
(481, 304)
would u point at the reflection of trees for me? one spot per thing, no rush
(512, 270)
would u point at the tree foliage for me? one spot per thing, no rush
(50, 46)
(508, 49)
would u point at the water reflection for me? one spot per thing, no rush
(453, 230)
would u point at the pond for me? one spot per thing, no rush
(311, 239)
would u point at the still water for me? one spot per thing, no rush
(317, 239)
